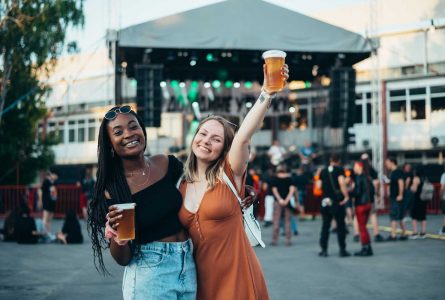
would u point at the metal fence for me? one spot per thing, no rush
(71, 197)
(68, 197)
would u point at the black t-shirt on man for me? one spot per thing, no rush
(394, 182)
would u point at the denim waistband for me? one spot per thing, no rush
(169, 247)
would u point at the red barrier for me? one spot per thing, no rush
(68, 197)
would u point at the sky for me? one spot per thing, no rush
(103, 14)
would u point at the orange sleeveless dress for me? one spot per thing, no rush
(227, 266)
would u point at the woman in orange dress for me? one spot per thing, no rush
(226, 264)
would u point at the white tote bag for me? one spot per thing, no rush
(251, 225)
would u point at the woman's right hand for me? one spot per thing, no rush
(113, 217)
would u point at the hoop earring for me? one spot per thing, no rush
(112, 152)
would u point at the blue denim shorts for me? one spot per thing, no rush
(161, 271)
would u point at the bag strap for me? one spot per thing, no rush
(232, 187)
(178, 184)
(332, 182)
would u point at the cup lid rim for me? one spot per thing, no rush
(273, 53)
(125, 205)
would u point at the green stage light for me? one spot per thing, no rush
(194, 84)
(216, 84)
(248, 85)
(209, 57)
(174, 83)
(228, 84)
(307, 84)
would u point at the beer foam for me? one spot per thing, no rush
(125, 205)
(274, 53)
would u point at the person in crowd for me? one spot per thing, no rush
(228, 268)
(335, 197)
(301, 180)
(397, 207)
(407, 170)
(87, 190)
(349, 181)
(49, 197)
(418, 211)
(9, 225)
(269, 200)
(253, 184)
(276, 153)
(378, 200)
(283, 190)
(125, 175)
(26, 230)
(307, 155)
(71, 232)
(442, 202)
(363, 195)
(159, 262)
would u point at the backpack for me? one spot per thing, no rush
(427, 192)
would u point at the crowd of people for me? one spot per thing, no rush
(190, 241)
(349, 197)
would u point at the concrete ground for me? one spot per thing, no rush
(413, 269)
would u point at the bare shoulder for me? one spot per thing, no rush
(107, 195)
(159, 162)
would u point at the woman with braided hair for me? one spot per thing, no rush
(158, 263)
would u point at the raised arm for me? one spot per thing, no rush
(239, 151)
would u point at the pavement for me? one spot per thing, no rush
(413, 269)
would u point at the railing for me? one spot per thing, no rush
(68, 197)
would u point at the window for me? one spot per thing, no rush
(438, 89)
(368, 113)
(437, 104)
(91, 130)
(61, 132)
(397, 111)
(417, 109)
(438, 108)
(396, 93)
(71, 131)
(417, 91)
(358, 114)
(81, 131)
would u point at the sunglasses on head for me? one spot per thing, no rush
(112, 113)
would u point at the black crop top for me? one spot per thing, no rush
(157, 206)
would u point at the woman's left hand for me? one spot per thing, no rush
(250, 198)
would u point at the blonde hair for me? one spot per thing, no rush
(215, 169)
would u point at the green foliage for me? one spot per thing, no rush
(32, 35)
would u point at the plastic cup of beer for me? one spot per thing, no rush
(125, 230)
(274, 61)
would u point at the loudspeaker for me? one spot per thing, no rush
(149, 94)
(341, 110)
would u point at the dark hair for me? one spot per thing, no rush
(109, 177)
(392, 159)
(334, 158)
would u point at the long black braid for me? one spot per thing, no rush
(110, 177)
